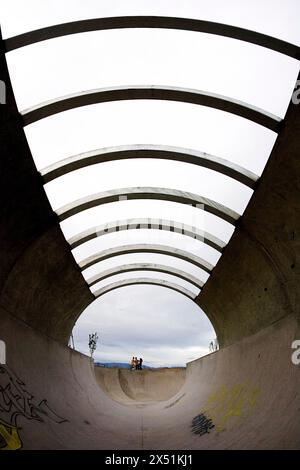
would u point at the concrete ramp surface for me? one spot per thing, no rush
(242, 397)
(142, 385)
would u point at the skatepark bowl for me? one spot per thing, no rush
(243, 396)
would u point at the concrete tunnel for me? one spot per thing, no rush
(243, 396)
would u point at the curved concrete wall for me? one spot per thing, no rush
(187, 24)
(244, 396)
(142, 385)
(256, 280)
(40, 282)
(253, 285)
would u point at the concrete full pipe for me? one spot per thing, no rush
(244, 396)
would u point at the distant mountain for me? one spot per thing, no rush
(119, 365)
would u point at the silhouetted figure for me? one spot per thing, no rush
(214, 345)
(140, 364)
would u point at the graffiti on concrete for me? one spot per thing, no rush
(202, 425)
(9, 437)
(16, 401)
(228, 403)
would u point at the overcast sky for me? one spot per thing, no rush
(161, 325)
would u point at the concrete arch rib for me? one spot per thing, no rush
(160, 152)
(150, 92)
(161, 22)
(163, 194)
(127, 268)
(146, 248)
(145, 281)
(154, 224)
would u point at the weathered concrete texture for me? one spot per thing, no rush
(244, 396)
(160, 268)
(45, 288)
(145, 281)
(39, 279)
(130, 386)
(256, 282)
(146, 248)
(141, 21)
(160, 152)
(149, 224)
(151, 92)
(160, 194)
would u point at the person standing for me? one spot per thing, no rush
(135, 363)
(132, 363)
(141, 364)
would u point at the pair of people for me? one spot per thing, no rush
(136, 364)
(214, 345)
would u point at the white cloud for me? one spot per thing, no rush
(163, 327)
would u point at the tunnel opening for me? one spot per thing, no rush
(164, 328)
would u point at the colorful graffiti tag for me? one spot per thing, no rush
(223, 405)
(16, 401)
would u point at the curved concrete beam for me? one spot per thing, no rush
(145, 280)
(146, 248)
(127, 268)
(163, 194)
(161, 22)
(154, 224)
(150, 92)
(160, 152)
